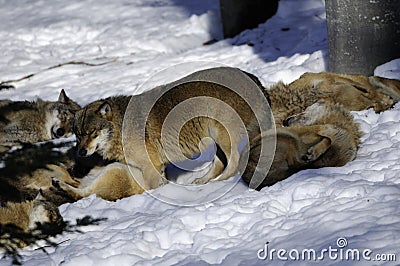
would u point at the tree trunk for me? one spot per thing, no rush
(362, 34)
(238, 15)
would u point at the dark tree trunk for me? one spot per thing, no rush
(362, 34)
(238, 15)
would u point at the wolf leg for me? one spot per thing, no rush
(74, 192)
(232, 165)
(315, 151)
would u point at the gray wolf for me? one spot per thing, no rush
(324, 135)
(98, 127)
(30, 122)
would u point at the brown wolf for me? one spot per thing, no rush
(98, 127)
(353, 92)
(30, 122)
(322, 136)
(29, 216)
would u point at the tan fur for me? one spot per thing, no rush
(387, 86)
(329, 139)
(30, 122)
(111, 182)
(353, 92)
(320, 133)
(41, 178)
(27, 216)
(98, 128)
(27, 185)
(326, 112)
(17, 214)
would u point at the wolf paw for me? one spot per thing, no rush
(198, 181)
(311, 155)
(307, 157)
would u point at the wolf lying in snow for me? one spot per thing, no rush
(322, 136)
(353, 92)
(319, 131)
(98, 126)
(30, 122)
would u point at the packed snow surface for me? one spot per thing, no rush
(98, 48)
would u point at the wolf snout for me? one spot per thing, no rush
(288, 121)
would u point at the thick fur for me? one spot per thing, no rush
(31, 168)
(322, 136)
(29, 216)
(110, 182)
(322, 131)
(99, 125)
(18, 185)
(58, 183)
(98, 128)
(26, 186)
(353, 92)
(31, 122)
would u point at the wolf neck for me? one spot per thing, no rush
(119, 105)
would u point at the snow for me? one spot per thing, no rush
(128, 42)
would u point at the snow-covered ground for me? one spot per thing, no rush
(98, 48)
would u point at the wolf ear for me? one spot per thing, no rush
(63, 98)
(40, 196)
(105, 111)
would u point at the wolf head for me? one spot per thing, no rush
(389, 87)
(61, 116)
(45, 216)
(94, 128)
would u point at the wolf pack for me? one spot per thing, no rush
(313, 128)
